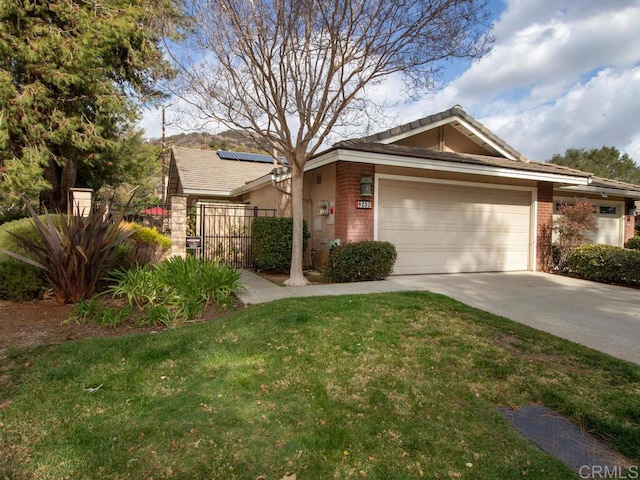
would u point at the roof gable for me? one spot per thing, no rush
(452, 130)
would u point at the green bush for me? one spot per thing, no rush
(633, 243)
(606, 264)
(176, 289)
(361, 261)
(271, 239)
(145, 245)
(18, 280)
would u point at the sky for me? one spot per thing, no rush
(562, 74)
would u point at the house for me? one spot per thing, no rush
(446, 191)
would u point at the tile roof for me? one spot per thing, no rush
(455, 111)
(615, 184)
(465, 158)
(204, 172)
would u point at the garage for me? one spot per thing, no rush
(609, 217)
(452, 227)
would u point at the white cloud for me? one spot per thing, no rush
(562, 74)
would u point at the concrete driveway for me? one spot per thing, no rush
(603, 317)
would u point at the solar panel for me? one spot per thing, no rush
(247, 157)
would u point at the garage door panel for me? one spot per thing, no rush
(448, 228)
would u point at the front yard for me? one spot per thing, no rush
(390, 386)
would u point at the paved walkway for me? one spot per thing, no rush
(603, 317)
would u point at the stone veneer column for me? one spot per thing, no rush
(179, 225)
(545, 224)
(352, 224)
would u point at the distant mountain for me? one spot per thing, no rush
(228, 140)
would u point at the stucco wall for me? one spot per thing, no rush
(271, 197)
(320, 185)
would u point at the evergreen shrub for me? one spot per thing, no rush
(361, 261)
(633, 243)
(18, 280)
(271, 239)
(605, 264)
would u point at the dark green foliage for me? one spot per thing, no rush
(633, 243)
(72, 77)
(606, 264)
(362, 261)
(175, 290)
(18, 280)
(604, 162)
(74, 252)
(271, 239)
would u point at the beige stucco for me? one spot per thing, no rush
(445, 138)
(277, 197)
(320, 185)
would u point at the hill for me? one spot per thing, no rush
(228, 140)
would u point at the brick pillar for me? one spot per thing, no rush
(629, 227)
(352, 224)
(179, 225)
(629, 221)
(545, 225)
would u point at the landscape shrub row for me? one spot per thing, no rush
(605, 263)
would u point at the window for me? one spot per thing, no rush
(604, 210)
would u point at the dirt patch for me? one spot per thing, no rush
(315, 278)
(43, 322)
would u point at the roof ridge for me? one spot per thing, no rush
(454, 111)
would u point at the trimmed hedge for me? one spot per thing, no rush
(633, 243)
(271, 239)
(361, 261)
(605, 264)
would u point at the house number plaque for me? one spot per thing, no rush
(365, 204)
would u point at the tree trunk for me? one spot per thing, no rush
(61, 179)
(296, 275)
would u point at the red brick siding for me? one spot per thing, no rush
(352, 224)
(544, 221)
(629, 227)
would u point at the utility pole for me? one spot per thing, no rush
(164, 161)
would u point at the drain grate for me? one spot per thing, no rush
(557, 436)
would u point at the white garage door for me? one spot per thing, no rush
(609, 216)
(446, 228)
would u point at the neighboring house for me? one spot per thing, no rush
(446, 191)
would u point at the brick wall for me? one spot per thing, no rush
(545, 221)
(629, 227)
(352, 224)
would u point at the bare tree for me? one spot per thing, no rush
(288, 72)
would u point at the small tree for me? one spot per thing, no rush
(573, 226)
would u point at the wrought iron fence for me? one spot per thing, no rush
(223, 232)
(155, 215)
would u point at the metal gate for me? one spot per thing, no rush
(223, 232)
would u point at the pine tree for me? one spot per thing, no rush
(73, 74)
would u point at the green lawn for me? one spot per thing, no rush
(387, 386)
